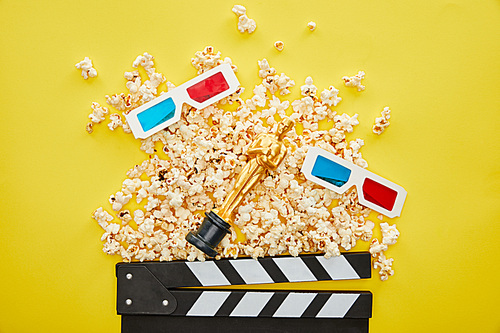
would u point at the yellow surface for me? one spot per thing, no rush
(435, 63)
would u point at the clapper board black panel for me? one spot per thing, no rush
(150, 296)
(166, 324)
(173, 274)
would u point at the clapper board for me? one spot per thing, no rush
(152, 298)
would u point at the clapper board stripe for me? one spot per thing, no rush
(273, 270)
(264, 270)
(276, 304)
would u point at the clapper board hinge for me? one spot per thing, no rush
(140, 292)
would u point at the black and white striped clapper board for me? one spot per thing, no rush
(151, 296)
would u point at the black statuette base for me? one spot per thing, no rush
(211, 232)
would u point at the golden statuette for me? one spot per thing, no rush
(265, 153)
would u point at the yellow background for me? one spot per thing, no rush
(434, 63)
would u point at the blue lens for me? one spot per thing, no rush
(157, 114)
(330, 171)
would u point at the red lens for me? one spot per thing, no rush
(208, 88)
(379, 194)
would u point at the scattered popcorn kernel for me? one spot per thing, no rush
(311, 25)
(89, 128)
(376, 248)
(119, 101)
(125, 216)
(308, 88)
(102, 217)
(115, 121)
(381, 123)
(145, 60)
(98, 113)
(245, 24)
(86, 66)
(239, 10)
(264, 69)
(110, 229)
(119, 200)
(345, 123)
(284, 82)
(279, 45)
(273, 82)
(206, 59)
(385, 266)
(138, 216)
(364, 231)
(330, 96)
(355, 81)
(111, 246)
(389, 233)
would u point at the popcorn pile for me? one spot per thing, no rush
(86, 66)
(205, 151)
(139, 93)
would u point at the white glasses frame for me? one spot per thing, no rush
(357, 177)
(180, 96)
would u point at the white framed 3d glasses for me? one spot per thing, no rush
(200, 92)
(338, 175)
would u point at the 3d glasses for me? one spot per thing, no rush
(338, 175)
(200, 92)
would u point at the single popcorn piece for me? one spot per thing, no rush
(125, 216)
(381, 123)
(206, 60)
(239, 10)
(308, 88)
(284, 82)
(279, 45)
(89, 127)
(355, 81)
(364, 231)
(145, 60)
(98, 113)
(86, 66)
(389, 233)
(119, 200)
(385, 266)
(245, 24)
(311, 25)
(138, 216)
(330, 96)
(115, 121)
(102, 217)
(376, 248)
(345, 123)
(110, 229)
(264, 69)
